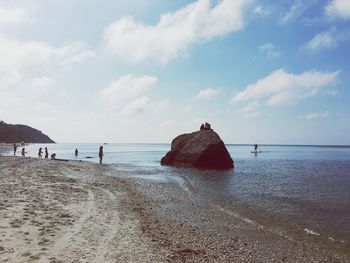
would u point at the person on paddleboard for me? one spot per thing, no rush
(255, 147)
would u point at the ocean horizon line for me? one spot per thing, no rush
(227, 144)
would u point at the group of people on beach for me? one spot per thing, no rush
(53, 156)
(40, 154)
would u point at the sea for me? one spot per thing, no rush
(309, 185)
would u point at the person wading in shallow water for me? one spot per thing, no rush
(76, 152)
(100, 154)
(14, 148)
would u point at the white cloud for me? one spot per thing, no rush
(259, 10)
(269, 50)
(12, 16)
(338, 9)
(20, 60)
(252, 106)
(297, 9)
(175, 33)
(137, 106)
(8, 77)
(207, 94)
(41, 84)
(18, 56)
(321, 40)
(251, 110)
(127, 87)
(328, 39)
(280, 88)
(160, 106)
(75, 54)
(316, 115)
(23, 65)
(294, 11)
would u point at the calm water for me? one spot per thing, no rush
(308, 184)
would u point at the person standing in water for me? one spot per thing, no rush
(46, 153)
(40, 153)
(100, 154)
(14, 148)
(255, 147)
(23, 152)
(76, 152)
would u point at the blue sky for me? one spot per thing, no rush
(145, 71)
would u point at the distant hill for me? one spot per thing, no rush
(10, 133)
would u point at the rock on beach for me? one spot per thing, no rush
(202, 149)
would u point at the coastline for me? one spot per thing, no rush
(196, 231)
(69, 211)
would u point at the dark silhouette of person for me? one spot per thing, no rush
(40, 153)
(207, 126)
(100, 154)
(202, 127)
(46, 153)
(14, 148)
(255, 147)
(76, 152)
(53, 156)
(23, 152)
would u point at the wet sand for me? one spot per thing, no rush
(53, 211)
(194, 230)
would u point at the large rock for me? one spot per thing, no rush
(202, 149)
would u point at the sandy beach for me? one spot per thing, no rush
(54, 211)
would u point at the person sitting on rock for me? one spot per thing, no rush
(202, 127)
(207, 126)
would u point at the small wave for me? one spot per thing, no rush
(185, 184)
(245, 219)
(311, 232)
(252, 222)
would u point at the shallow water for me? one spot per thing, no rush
(309, 185)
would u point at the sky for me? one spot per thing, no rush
(260, 71)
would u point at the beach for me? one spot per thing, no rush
(54, 211)
(58, 211)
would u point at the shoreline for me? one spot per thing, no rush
(65, 211)
(200, 232)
